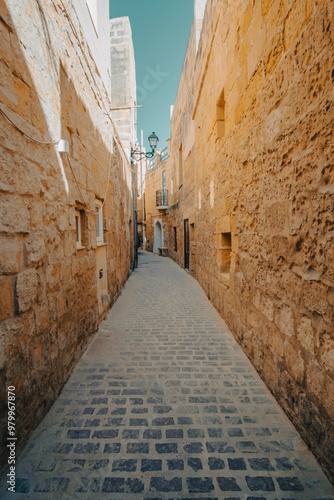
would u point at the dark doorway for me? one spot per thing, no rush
(186, 244)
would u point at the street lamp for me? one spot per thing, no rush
(138, 155)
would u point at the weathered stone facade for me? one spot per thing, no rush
(251, 159)
(62, 265)
(154, 220)
(123, 81)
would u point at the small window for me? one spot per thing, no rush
(175, 239)
(164, 190)
(180, 166)
(99, 221)
(79, 228)
(225, 250)
(220, 116)
(192, 232)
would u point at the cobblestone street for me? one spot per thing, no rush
(165, 405)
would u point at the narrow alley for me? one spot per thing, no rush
(165, 405)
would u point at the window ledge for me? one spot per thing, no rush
(101, 244)
(80, 248)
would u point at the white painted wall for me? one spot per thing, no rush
(94, 19)
(199, 10)
(123, 81)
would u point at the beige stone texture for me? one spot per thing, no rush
(7, 298)
(263, 71)
(49, 303)
(11, 256)
(328, 396)
(315, 380)
(26, 290)
(294, 363)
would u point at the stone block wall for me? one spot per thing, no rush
(252, 135)
(50, 301)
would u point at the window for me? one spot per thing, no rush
(180, 166)
(225, 250)
(220, 116)
(99, 221)
(164, 191)
(175, 239)
(78, 228)
(192, 232)
(164, 179)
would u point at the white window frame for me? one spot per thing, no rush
(78, 229)
(99, 222)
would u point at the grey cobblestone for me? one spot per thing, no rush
(165, 406)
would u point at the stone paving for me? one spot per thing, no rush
(165, 405)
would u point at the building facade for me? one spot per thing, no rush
(156, 199)
(252, 204)
(66, 220)
(123, 82)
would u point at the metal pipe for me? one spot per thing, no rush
(126, 107)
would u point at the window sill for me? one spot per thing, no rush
(101, 244)
(80, 248)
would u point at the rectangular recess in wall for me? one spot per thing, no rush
(79, 228)
(192, 232)
(99, 221)
(180, 166)
(225, 251)
(220, 116)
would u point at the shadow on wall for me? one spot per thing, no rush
(89, 166)
(49, 301)
(29, 230)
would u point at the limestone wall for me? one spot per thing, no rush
(123, 81)
(52, 292)
(258, 187)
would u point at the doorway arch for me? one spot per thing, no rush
(157, 237)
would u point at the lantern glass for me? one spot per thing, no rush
(153, 140)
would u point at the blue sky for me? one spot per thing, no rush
(160, 30)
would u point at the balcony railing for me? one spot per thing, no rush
(161, 157)
(162, 199)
